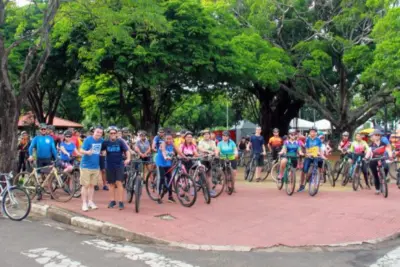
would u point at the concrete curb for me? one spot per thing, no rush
(71, 218)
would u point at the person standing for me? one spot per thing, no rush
(275, 144)
(115, 149)
(257, 143)
(45, 150)
(90, 167)
(23, 154)
(143, 149)
(207, 148)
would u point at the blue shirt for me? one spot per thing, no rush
(45, 147)
(291, 148)
(115, 151)
(70, 149)
(257, 143)
(313, 146)
(160, 160)
(91, 162)
(227, 149)
(157, 140)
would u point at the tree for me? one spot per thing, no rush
(13, 90)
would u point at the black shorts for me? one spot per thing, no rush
(102, 162)
(207, 164)
(275, 152)
(43, 163)
(259, 159)
(147, 159)
(114, 175)
(234, 164)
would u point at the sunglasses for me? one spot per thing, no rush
(67, 136)
(113, 133)
(44, 129)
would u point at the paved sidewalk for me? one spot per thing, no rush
(260, 216)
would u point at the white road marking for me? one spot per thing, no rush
(391, 259)
(137, 254)
(51, 258)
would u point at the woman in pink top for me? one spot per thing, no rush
(189, 149)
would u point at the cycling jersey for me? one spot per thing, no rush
(292, 147)
(160, 160)
(313, 146)
(359, 147)
(188, 150)
(275, 141)
(345, 144)
(379, 149)
(227, 149)
(207, 145)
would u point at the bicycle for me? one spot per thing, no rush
(53, 180)
(289, 177)
(327, 172)
(14, 196)
(314, 178)
(251, 168)
(217, 177)
(181, 184)
(134, 183)
(355, 172)
(342, 168)
(225, 165)
(382, 177)
(76, 175)
(198, 172)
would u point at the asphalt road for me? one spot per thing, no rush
(37, 242)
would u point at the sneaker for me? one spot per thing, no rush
(85, 207)
(159, 201)
(105, 188)
(377, 192)
(301, 189)
(213, 193)
(171, 200)
(112, 204)
(96, 188)
(39, 197)
(121, 205)
(258, 180)
(92, 206)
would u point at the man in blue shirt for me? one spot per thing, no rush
(90, 167)
(45, 150)
(313, 149)
(257, 144)
(114, 149)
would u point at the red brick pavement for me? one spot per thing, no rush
(260, 217)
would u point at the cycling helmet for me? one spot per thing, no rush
(51, 127)
(91, 129)
(345, 134)
(188, 133)
(313, 129)
(43, 126)
(275, 130)
(67, 133)
(292, 131)
(23, 132)
(161, 130)
(206, 131)
(225, 133)
(125, 129)
(112, 128)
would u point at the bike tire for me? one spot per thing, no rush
(384, 185)
(345, 174)
(218, 178)
(204, 187)
(314, 182)
(275, 171)
(68, 187)
(130, 189)
(138, 192)
(291, 181)
(329, 173)
(76, 174)
(251, 171)
(11, 193)
(151, 185)
(229, 183)
(185, 184)
(30, 184)
(393, 167)
(267, 169)
(356, 178)
(398, 180)
(336, 168)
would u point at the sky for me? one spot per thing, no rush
(22, 2)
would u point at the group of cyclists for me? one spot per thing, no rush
(103, 161)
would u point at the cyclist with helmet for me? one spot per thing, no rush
(291, 148)
(143, 149)
(207, 148)
(275, 144)
(157, 140)
(114, 149)
(45, 148)
(313, 150)
(67, 150)
(344, 144)
(359, 148)
(380, 146)
(189, 149)
(226, 148)
(257, 145)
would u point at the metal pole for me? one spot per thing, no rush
(227, 116)
(386, 122)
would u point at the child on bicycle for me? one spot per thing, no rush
(359, 148)
(291, 148)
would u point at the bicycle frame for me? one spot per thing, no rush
(46, 180)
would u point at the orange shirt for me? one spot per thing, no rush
(275, 141)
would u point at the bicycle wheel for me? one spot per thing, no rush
(329, 173)
(313, 186)
(275, 171)
(290, 184)
(252, 171)
(16, 204)
(28, 182)
(185, 189)
(393, 167)
(218, 182)
(63, 189)
(204, 187)
(336, 167)
(229, 182)
(138, 192)
(346, 175)
(151, 185)
(384, 186)
(356, 178)
(76, 174)
(267, 169)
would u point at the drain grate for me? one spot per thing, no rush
(166, 217)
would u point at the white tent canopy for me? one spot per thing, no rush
(323, 125)
(301, 124)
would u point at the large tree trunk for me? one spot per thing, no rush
(147, 118)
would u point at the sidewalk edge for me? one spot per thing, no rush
(108, 229)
